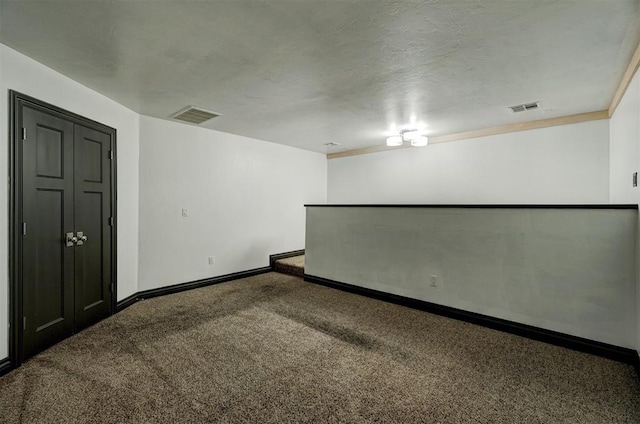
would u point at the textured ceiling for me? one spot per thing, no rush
(308, 72)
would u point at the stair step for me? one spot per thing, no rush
(292, 266)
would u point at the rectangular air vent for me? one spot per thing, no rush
(194, 115)
(524, 107)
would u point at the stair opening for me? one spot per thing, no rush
(293, 265)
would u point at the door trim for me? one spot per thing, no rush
(16, 102)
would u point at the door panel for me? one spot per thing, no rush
(92, 154)
(49, 152)
(93, 207)
(49, 281)
(48, 266)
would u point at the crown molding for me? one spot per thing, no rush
(626, 80)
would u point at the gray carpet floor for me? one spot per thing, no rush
(274, 349)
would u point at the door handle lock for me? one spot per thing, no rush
(81, 238)
(70, 239)
(78, 240)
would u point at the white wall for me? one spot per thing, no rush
(625, 160)
(244, 198)
(625, 145)
(557, 165)
(23, 74)
(566, 270)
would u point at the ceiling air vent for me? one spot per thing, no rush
(524, 107)
(194, 115)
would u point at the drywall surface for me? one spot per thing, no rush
(625, 159)
(556, 165)
(244, 200)
(20, 73)
(567, 270)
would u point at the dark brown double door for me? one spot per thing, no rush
(66, 255)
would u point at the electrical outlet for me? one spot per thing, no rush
(210, 260)
(185, 212)
(434, 280)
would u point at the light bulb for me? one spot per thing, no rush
(394, 140)
(410, 135)
(420, 141)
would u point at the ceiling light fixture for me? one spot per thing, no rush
(410, 135)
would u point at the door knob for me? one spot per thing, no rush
(81, 238)
(70, 239)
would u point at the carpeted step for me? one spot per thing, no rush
(292, 266)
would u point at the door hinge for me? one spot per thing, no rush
(24, 134)
(24, 228)
(111, 154)
(24, 323)
(111, 221)
(111, 287)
